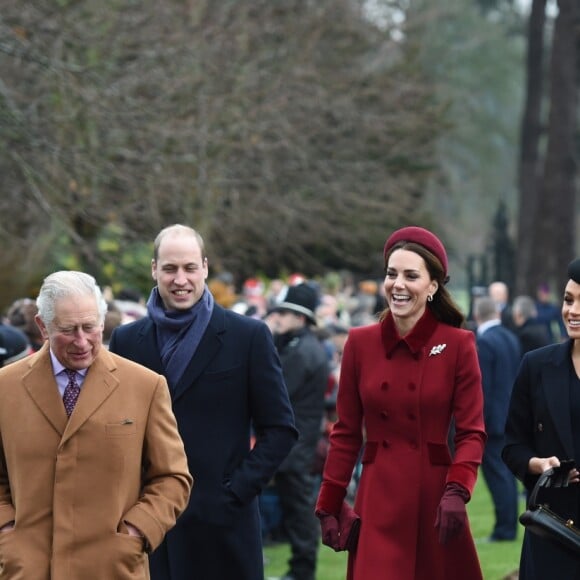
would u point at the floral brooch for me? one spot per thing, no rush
(437, 349)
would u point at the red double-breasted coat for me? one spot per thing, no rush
(401, 394)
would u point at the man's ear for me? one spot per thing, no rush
(41, 326)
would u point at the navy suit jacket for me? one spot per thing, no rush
(232, 386)
(499, 353)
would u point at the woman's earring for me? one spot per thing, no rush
(429, 297)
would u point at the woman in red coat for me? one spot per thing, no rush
(403, 380)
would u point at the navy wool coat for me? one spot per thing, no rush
(539, 425)
(232, 385)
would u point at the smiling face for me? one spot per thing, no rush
(407, 286)
(571, 309)
(76, 333)
(180, 270)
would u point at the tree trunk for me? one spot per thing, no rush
(529, 169)
(553, 237)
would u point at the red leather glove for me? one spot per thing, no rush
(349, 526)
(340, 532)
(451, 513)
(329, 529)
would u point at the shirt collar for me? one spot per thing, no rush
(487, 325)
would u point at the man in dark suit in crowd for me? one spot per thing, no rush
(499, 292)
(225, 379)
(499, 356)
(306, 371)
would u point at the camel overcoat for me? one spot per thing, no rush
(404, 392)
(70, 485)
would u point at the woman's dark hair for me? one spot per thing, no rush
(442, 306)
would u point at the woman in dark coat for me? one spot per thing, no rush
(403, 379)
(543, 428)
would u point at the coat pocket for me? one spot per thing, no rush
(121, 429)
(126, 559)
(439, 454)
(13, 555)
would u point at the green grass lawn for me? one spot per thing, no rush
(497, 559)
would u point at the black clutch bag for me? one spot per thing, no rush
(540, 520)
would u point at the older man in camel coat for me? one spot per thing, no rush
(86, 496)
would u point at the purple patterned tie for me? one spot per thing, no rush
(71, 393)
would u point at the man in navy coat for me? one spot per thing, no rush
(499, 354)
(226, 383)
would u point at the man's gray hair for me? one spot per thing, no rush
(525, 306)
(64, 284)
(485, 309)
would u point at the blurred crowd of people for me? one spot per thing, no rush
(342, 303)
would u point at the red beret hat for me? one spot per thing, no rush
(419, 236)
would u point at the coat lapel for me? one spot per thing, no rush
(41, 385)
(207, 349)
(147, 344)
(556, 385)
(99, 383)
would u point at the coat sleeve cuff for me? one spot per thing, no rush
(464, 474)
(330, 498)
(152, 531)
